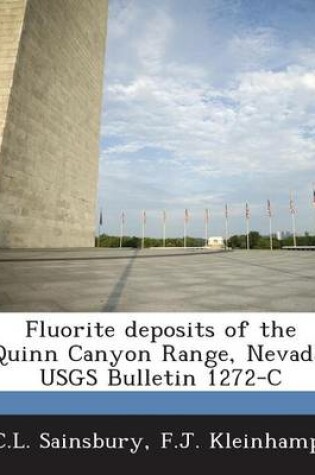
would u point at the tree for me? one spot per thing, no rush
(254, 238)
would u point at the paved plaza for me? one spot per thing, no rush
(114, 280)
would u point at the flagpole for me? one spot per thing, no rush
(185, 227)
(226, 228)
(247, 227)
(122, 218)
(99, 228)
(143, 229)
(294, 229)
(314, 206)
(206, 226)
(247, 234)
(164, 227)
(270, 223)
(293, 211)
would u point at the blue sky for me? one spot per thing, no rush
(208, 102)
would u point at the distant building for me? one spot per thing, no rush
(216, 241)
(279, 235)
(283, 235)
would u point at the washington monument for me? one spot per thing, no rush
(51, 75)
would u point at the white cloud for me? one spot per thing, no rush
(260, 122)
(199, 124)
(123, 15)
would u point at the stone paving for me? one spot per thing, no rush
(116, 280)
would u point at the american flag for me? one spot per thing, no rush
(226, 211)
(269, 208)
(164, 216)
(314, 195)
(247, 211)
(101, 218)
(186, 216)
(122, 217)
(292, 205)
(144, 217)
